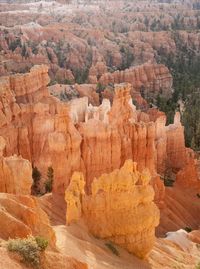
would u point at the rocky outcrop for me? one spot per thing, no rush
(88, 90)
(120, 208)
(27, 88)
(176, 152)
(73, 197)
(15, 173)
(179, 244)
(63, 92)
(188, 175)
(21, 216)
(31, 86)
(148, 79)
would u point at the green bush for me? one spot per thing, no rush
(168, 182)
(112, 248)
(29, 249)
(188, 229)
(41, 242)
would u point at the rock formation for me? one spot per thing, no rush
(73, 197)
(94, 140)
(120, 208)
(20, 215)
(188, 175)
(148, 79)
(15, 173)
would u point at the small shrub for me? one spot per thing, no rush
(29, 249)
(68, 82)
(198, 195)
(52, 82)
(112, 248)
(188, 229)
(100, 88)
(168, 182)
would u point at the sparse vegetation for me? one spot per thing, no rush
(68, 82)
(52, 82)
(127, 57)
(81, 75)
(185, 68)
(14, 44)
(168, 182)
(29, 249)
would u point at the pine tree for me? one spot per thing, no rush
(36, 175)
(50, 177)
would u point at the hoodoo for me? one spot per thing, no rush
(120, 208)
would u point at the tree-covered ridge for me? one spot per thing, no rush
(185, 68)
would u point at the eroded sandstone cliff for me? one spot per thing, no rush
(94, 140)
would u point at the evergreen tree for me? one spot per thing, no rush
(36, 175)
(50, 178)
